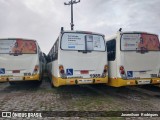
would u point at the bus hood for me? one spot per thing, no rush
(139, 65)
(17, 65)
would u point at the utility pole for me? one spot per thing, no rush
(71, 3)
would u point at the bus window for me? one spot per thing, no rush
(111, 50)
(18, 46)
(142, 42)
(82, 42)
(149, 42)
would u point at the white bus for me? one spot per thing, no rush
(20, 60)
(78, 57)
(134, 59)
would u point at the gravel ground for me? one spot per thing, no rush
(31, 97)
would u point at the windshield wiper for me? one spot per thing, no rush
(85, 51)
(142, 50)
(15, 54)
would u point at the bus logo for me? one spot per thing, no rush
(2, 71)
(69, 72)
(130, 73)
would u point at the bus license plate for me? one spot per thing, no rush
(84, 81)
(140, 82)
(15, 78)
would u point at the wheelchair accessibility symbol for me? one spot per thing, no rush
(130, 73)
(2, 71)
(69, 72)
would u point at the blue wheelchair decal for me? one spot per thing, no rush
(130, 73)
(2, 71)
(69, 72)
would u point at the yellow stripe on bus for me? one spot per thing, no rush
(118, 82)
(24, 78)
(59, 81)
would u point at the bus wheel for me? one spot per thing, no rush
(12, 83)
(52, 85)
(39, 82)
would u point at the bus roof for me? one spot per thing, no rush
(138, 32)
(78, 31)
(115, 35)
(15, 38)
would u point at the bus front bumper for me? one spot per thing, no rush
(118, 82)
(19, 78)
(78, 81)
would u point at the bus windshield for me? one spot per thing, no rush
(17, 46)
(82, 42)
(134, 42)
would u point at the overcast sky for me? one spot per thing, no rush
(42, 19)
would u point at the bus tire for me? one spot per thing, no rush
(40, 79)
(39, 82)
(12, 83)
(52, 85)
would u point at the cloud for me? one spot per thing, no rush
(42, 19)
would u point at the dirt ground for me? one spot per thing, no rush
(31, 97)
